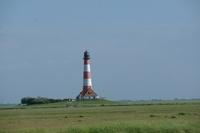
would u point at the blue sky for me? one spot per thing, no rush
(140, 49)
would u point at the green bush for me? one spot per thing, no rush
(40, 100)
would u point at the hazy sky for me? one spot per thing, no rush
(140, 49)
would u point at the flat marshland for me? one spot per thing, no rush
(101, 117)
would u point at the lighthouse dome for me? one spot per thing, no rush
(86, 55)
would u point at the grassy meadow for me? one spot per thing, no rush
(102, 117)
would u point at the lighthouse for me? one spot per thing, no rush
(87, 90)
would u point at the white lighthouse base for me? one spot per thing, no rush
(79, 97)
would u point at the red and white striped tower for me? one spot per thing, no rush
(87, 92)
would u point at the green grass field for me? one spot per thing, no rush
(102, 117)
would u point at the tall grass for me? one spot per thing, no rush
(133, 128)
(114, 128)
(56, 118)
